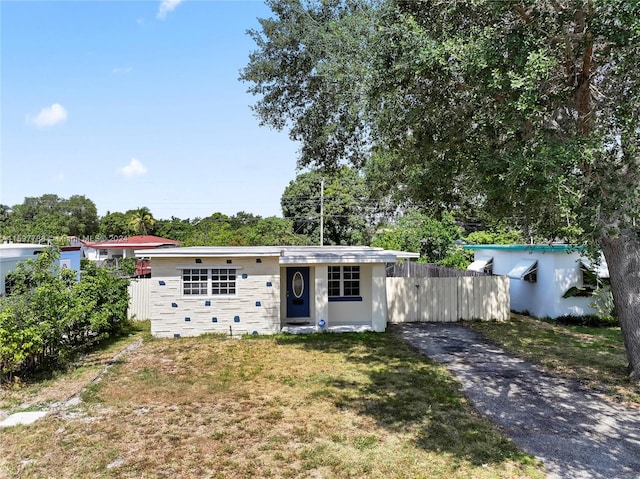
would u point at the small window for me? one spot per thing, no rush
(223, 281)
(103, 252)
(482, 264)
(351, 276)
(525, 269)
(194, 282)
(334, 281)
(344, 281)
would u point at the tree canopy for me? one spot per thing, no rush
(341, 194)
(39, 218)
(526, 110)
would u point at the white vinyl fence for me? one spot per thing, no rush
(139, 299)
(447, 299)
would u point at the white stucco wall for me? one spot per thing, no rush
(365, 312)
(93, 254)
(557, 272)
(379, 310)
(256, 303)
(355, 312)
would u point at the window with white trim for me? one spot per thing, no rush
(209, 281)
(223, 281)
(195, 282)
(344, 281)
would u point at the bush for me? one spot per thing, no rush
(50, 317)
(589, 320)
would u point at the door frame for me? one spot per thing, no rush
(295, 311)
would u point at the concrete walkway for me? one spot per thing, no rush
(576, 432)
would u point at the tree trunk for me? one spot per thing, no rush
(623, 258)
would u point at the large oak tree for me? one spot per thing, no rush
(530, 108)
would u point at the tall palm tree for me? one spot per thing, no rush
(141, 221)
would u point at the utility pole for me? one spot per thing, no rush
(322, 211)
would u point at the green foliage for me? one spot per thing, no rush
(499, 235)
(345, 206)
(141, 221)
(526, 111)
(458, 258)
(589, 321)
(603, 303)
(49, 317)
(465, 106)
(114, 224)
(241, 229)
(273, 231)
(174, 228)
(121, 266)
(419, 233)
(43, 218)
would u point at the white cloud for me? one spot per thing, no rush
(167, 6)
(49, 116)
(133, 169)
(122, 71)
(58, 178)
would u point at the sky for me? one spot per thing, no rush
(137, 104)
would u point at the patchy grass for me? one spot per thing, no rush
(57, 386)
(594, 356)
(328, 405)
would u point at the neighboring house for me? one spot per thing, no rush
(124, 247)
(264, 290)
(13, 253)
(540, 276)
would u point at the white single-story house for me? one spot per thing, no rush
(123, 247)
(265, 290)
(12, 253)
(540, 275)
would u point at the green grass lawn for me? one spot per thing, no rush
(594, 356)
(329, 405)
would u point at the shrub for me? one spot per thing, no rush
(49, 316)
(588, 320)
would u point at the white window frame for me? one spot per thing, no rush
(343, 278)
(203, 280)
(213, 281)
(220, 281)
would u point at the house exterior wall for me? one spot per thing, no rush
(379, 310)
(355, 312)
(557, 272)
(71, 260)
(94, 254)
(12, 254)
(259, 304)
(254, 308)
(321, 294)
(370, 311)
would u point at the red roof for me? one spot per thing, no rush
(131, 242)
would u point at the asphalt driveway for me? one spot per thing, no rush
(576, 433)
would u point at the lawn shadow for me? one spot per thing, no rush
(405, 392)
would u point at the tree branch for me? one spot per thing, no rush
(519, 9)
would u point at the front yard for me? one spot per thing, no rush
(330, 406)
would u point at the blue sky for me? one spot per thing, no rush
(136, 104)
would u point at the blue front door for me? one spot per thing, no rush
(298, 292)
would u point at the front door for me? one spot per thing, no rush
(298, 292)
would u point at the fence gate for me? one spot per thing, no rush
(139, 304)
(447, 299)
